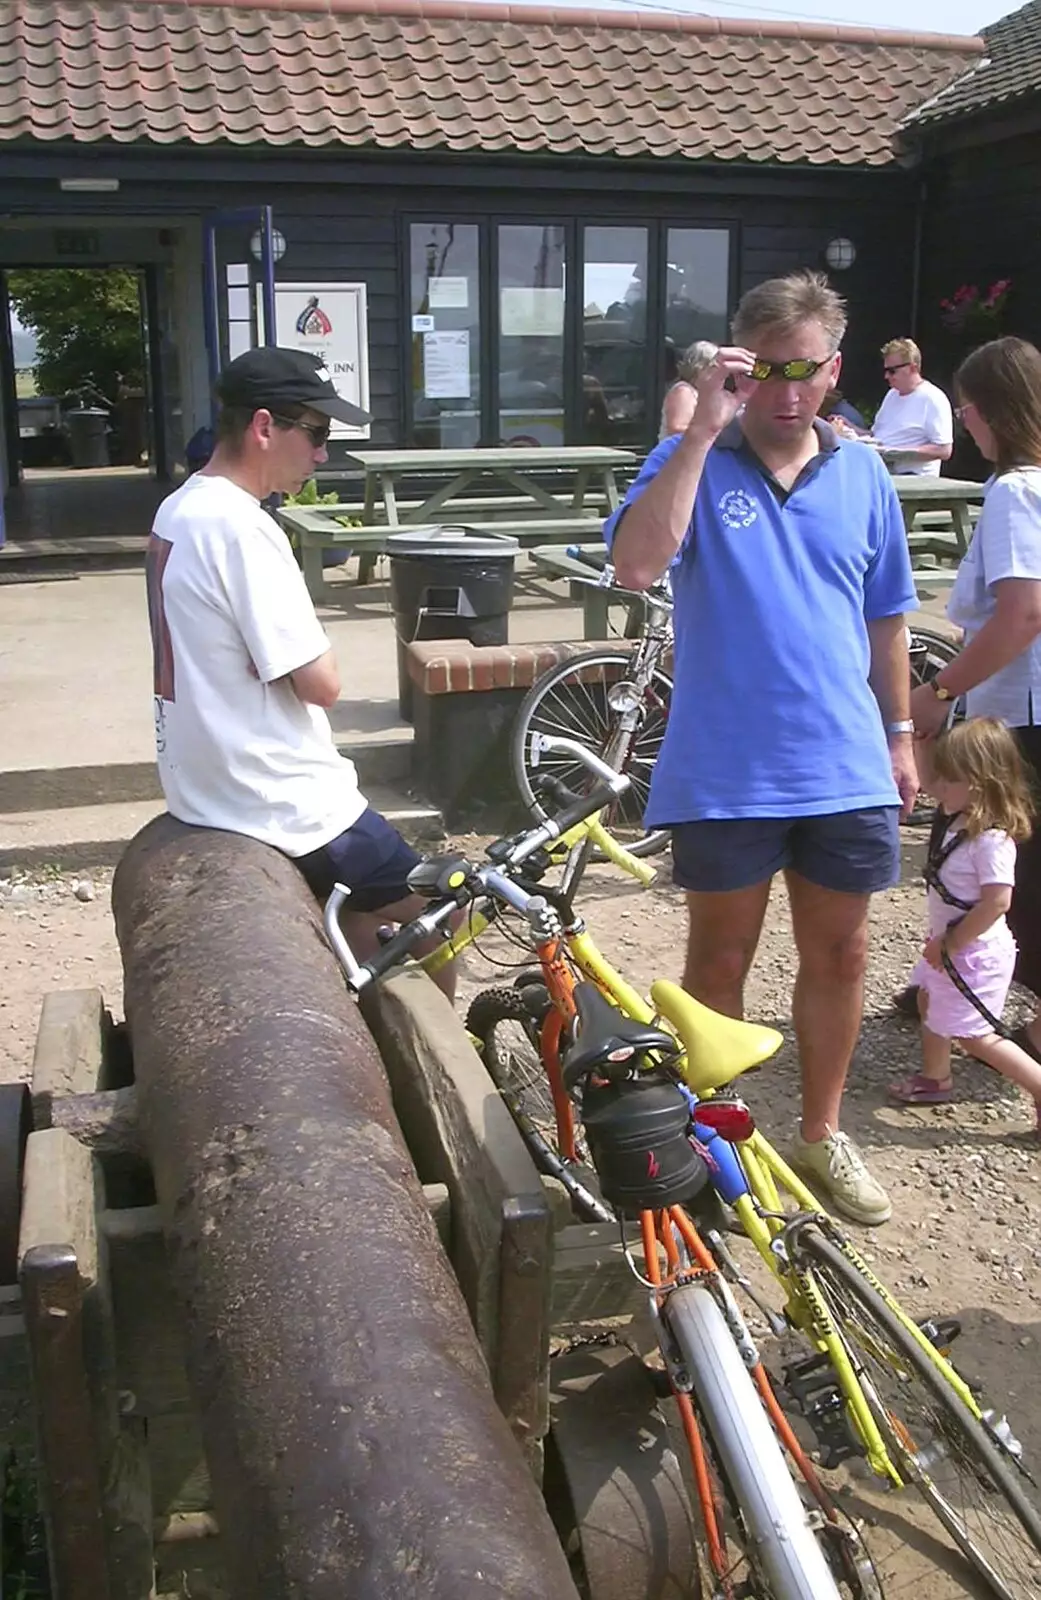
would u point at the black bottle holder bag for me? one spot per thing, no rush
(637, 1134)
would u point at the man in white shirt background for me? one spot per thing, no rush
(243, 670)
(915, 417)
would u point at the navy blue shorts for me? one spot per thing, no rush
(854, 852)
(371, 859)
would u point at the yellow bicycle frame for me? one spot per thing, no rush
(591, 828)
(762, 1213)
(765, 1169)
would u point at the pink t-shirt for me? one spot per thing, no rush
(989, 858)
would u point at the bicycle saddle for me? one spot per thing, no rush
(718, 1048)
(607, 1040)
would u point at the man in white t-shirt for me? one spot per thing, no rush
(244, 672)
(915, 417)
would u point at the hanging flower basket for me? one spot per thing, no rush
(975, 314)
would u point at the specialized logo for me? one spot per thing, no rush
(738, 509)
(653, 1165)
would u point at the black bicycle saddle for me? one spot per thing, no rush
(608, 1040)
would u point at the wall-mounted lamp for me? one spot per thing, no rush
(89, 185)
(840, 254)
(278, 244)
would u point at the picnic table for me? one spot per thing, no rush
(919, 493)
(552, 494)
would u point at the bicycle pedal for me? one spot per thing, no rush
(812, 1385)
(941, 1331)
(660, 1382)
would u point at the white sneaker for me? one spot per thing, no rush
(839, 1169)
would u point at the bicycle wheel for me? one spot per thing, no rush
(571, 700)
(506, 1021)
(785, 1559)
(983, 1497)
(930, 652)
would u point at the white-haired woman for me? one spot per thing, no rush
(682, 397)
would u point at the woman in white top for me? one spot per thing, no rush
(996, 599)
(682, 397)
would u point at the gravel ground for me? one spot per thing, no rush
(965, 1179)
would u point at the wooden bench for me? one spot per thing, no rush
(464, 701)
(583, 580)
(315, 531)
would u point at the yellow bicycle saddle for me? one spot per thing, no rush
(718, 1048)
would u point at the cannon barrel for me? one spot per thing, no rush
(352, 1438)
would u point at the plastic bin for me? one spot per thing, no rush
(448, 583)
(88, 436)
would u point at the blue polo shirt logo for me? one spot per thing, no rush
(738, 509)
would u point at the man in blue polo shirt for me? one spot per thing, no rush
(788, 745)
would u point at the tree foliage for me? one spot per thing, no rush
(87, 322)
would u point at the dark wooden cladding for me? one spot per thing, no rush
(347, 218)
(983, 222)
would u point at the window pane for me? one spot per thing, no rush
(531, 335)
(614, 335)
(446, 336)
(696, 289)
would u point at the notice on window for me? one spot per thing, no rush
(531, 313)
(448, 294)
(446, 365)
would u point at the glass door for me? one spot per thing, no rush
(446, 335)
(615, 365)
(697, 285)
(531, 268)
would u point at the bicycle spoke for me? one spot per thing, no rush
(955, 1462)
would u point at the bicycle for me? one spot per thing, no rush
(875, 1383)
(616, 703)
(738, 1436)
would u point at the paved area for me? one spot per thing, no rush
(75, 663)
(76, 740)
(57, 507)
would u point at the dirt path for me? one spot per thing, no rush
(965, 1238)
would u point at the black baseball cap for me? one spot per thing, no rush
(271, 376)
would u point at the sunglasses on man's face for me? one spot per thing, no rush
(896, 367)
(317, 432)
(796, 371)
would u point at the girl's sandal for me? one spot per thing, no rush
(919, 1090)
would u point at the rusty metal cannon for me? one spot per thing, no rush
(262, 1378)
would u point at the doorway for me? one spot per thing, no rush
(80, 370)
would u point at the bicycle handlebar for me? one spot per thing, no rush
(491, 879)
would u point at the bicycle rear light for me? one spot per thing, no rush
(730, 1118)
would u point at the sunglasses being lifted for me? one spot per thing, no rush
(797, 371)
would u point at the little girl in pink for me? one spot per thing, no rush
(981, 785)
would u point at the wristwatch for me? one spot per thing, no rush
(940, 692)
(904, 726)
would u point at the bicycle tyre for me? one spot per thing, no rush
(930, 651)
(986, 1463)
(570, 700)
(785, 1551)
(514, 1064)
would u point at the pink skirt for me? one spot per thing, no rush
(987, 968)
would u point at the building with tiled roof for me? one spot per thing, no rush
(504, 208)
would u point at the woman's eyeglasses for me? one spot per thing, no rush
(317, 432)
(796, 371)
(896, 367)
